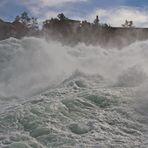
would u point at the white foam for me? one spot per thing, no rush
(30, 65)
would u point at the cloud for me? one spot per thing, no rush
(50, 3)
(59, 2)
(44, 9)
(117, 16)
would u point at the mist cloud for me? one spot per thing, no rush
(117, 16)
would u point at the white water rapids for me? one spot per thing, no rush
(53, 95)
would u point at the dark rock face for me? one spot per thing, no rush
(15, 29)
(72, 32)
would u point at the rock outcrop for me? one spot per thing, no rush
(72, 32)
(14, 29)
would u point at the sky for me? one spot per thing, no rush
(112, 12)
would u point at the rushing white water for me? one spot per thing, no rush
(33, 64)
(86, 96)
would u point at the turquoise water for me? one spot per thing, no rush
(74, 98)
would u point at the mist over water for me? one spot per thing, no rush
(32, 64)
(54, 95)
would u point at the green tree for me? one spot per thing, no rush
(30, 23)
(17, 19)
(61, 17)
(25, 19)
(96, 21)
(33, 24)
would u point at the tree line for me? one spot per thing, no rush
(32, 22)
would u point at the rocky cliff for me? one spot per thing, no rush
(72, 32)
(14, 29)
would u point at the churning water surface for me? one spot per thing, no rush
(53, 95)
